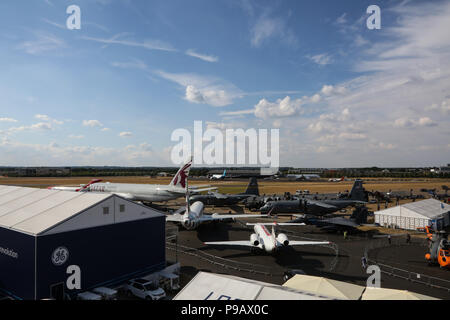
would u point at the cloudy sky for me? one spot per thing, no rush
(113, 92)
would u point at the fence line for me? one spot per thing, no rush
(222, 262)
(424, 279)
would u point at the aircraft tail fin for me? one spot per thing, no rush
(359, 215)
(358, 192)
(224, 173)
(252, 187)
(179, 180)
(82, 188)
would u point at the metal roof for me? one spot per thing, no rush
(33, 211)
(429, 208)
(213, 286)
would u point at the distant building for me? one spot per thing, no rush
(444, 169)
(162, 174)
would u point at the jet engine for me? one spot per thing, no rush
(282, 238)
(254, 239)
(189, 224)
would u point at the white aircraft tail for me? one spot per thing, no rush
(180, 179)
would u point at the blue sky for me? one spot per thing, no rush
(113, 92)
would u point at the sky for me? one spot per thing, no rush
(112, 92)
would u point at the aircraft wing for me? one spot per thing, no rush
(202, 189)
(74, 189)
(244, 243)
(219, 195)
(338, 221)
(307, 243)
(193, 187)
(321, 204)
(217, 216)
(174, 217)
(127, 196)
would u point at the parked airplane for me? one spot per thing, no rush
(358, 218)
(219, 176)
(142, 192)
(337, 179)
(191, 216)
(301, 177)
(264, 240)
(317, 207)
(220, 199)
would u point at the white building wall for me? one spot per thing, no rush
(92, 217)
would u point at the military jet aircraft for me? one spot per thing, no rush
(316, 207)
(220, 199)
(358, 218)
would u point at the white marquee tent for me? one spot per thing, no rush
(414, 215)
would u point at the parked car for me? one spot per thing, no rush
(292, 272)
(144, 289)
(88, 296)
(106, 293)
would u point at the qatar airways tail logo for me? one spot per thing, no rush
(227, 147)
(182, 175)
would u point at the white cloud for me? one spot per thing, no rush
(329, 90)
(266, 27)
(41, 126)
(92, 123)
(148, 44)
(321, 59)
(315, 98)
(7, 120)
(44, 117)
(341, 19)
(237, 113)
(43, 43)
(203, 89)
(280, 108)
(125, 134)
(56, 154)
(134, 64)
(73, 136)
(200, 56)
(412, 123)
(58, 25)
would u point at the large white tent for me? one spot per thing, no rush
(414, 215)
(392, 294)
(323, 286)
(211, 286)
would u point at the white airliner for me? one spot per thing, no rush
(142, 192)
(268, 241)
(219, 176)
(337, 179)
(191, 216)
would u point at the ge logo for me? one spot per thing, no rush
(60, 256)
